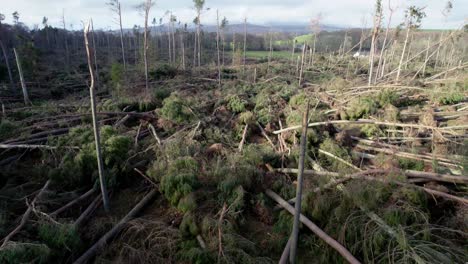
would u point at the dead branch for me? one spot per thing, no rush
(26, 215)
(244, 134)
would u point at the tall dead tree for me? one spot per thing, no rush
(245, 41)
(224, 24)
(97, 139)
(384, 44)
(375, 33)
(413, 17)
(146, 7)
(198, 7)
(5, 54)
(217, 47)
(95, 53)
(23, 83)
(300, 180)
(116, 8)
(270, 52)
(65, 40)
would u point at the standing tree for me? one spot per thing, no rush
(146, 7)
(102, 180)
(116, 8)
(65, 39)
(15, 18)
(224, 24)
(375, 34)
(384, 44)
(5, 54)
(245, 42)
(316, 28)
(44, 23)
(413, 17)
(23, 83)
(199, 4)
(217, 48)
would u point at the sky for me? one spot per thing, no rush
(344, 13)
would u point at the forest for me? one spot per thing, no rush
(183, 142)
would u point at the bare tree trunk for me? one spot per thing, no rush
(102, 180)
(121, 35)
(217, 47)
(245, 40)
(182, 45)
(148, 5)
(270, 52)
(313, 52)
(384, 44)
(300, 180)
(7, 63)
(65, 33)
(94, 54)
(403, 53)
(426, 58)
(302, 65)
(199, 38)
(23, 83)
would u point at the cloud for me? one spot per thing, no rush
(347, 13)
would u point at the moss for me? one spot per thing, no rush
(371, 130)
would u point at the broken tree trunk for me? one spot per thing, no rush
(23, 83)
(300, 180)
(101, 243)
(105, 197)
(7, 63)
(314, 228)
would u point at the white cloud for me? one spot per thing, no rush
(346, 13)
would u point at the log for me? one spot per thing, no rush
(25, 146)
(101, 243)
(372, 122)
(72, 203)
(314, 228)
(25, 217)
(89, 210)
